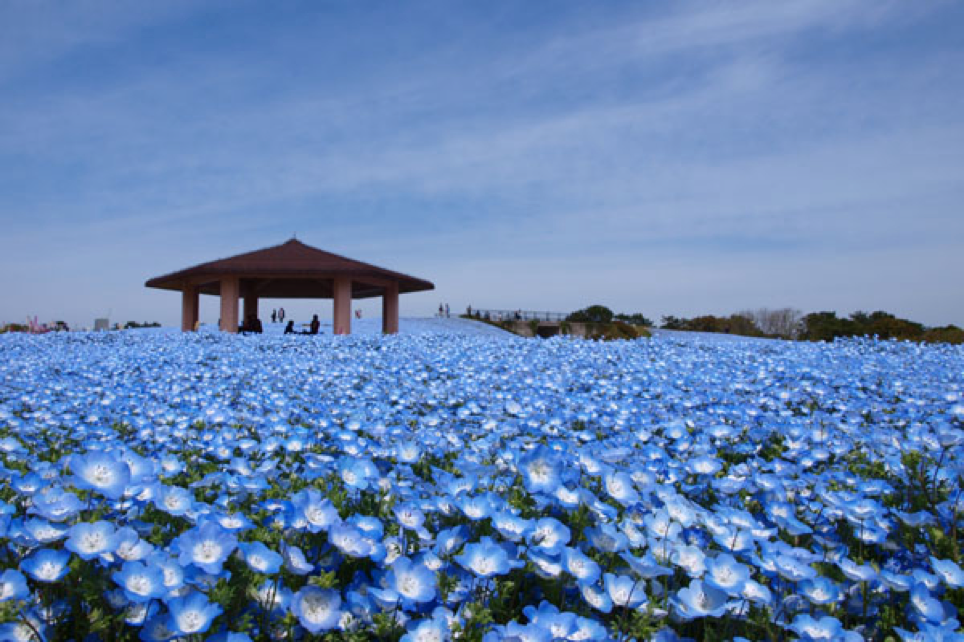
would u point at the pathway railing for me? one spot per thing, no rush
(519, 315)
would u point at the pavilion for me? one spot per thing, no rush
(291, 270)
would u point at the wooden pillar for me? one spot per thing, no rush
(250, 306)
(390, 309)
(229, 304)
(189, 308)
(342, 313)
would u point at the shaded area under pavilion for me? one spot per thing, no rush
(291, 270)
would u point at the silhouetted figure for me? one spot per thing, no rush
(281, 315)
(252, 324)
(290, 328)
(274, 316)
(315, 325)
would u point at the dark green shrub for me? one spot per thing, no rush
(592, 314)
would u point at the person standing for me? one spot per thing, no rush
(274, 316)
(441, 310)
(281, 315)
(447, 311)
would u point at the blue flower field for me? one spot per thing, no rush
(444, 485)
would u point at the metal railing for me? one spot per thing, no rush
(518, 315)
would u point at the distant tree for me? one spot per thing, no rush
(673, 323)
(784, 323)
(592, 314)
(636, 318)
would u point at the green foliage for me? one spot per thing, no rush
(592, 314)
(130, 325)
(636, 318)
(827, 326)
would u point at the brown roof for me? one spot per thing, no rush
(290, 270)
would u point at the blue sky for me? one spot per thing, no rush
(670, 158)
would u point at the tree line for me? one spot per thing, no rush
(788, 323)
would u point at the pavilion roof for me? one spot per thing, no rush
(287, 265)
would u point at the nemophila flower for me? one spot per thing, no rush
(857, 572)
(540, 470)
(273, 595)
(102, 472)
(412, 581)
(521, 632)
(725, 573)
(317, 609)
(704, 465)
(25, 630)
(511, 527)
(141, 582)
(46, 565)
(736, 540)
(234, 522)
(44, 532)
(130, 547)
(559, 624)
(206, 547)
(588, 630)
(296, 562)
(27, 484)
(173, 500)
(318, 511)
(896, 581)
(350, 540)
(690, 558)
(475, 507)
(606, 538)
(192, 614)
(820, 590)
(55, 504)
(582, 567)
(619, 486)
(89, 540)
(792, 569)
(549, 534)
(646, 566)
(924, 605)
(407, 452)
(13, 586)
(596, 597)
(172, 573)
(487, 559)
(811, 629)
(547, 565)
(624, 590)
(427, 631)
(699, 600)
(260, 558)
(449, 540)
(357, 473)
(949, 572)
(757, 593)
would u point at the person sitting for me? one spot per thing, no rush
(315, 325)
(252, 324)
(290, 328)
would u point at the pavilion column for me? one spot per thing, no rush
(390, 309)
(189, 307)
(250, 306)
(342, 296)
(229, 304)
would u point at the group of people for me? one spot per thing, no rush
(313, 328)
(443, 310)
(252, 324)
